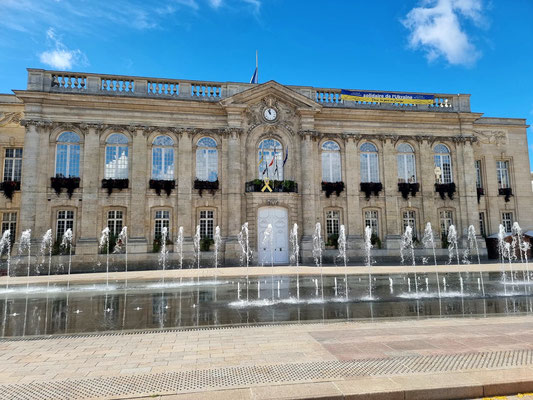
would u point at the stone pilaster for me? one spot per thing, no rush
(233, 198)
(390, 185)
(428, 213)
(308, 195)
(87, 242)
(352, 178)
(138, 182)
(186, 217)
(30, 185)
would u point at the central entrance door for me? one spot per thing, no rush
(278, 218)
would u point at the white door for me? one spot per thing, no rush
(278, 218)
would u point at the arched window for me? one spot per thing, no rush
(207, 160)
(406, 164)
(68, 155)
(270, 155)
(163, 158)
(369, 163)
(443, 162)
(331, 162)
(116, 157)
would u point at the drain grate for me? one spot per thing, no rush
(245, 376)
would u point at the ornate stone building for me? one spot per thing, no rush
(92, 151)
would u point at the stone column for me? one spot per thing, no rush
(354, 222)
(390, 185)
(137, 241)
(234, 193)
(308, 195)
(87, 242)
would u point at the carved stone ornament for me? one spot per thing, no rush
(492, 137)
(12, 118)
(287, 115)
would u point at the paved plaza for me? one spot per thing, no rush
(408, 359)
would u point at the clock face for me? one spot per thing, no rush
(270, 114)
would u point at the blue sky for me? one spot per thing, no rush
(481, 47)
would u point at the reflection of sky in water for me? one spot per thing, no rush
(188, 302)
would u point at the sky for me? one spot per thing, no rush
(480, 47)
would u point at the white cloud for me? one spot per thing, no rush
(436, 28)
(215, 3)
(61, 57)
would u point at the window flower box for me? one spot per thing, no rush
(212, 186)
(405, 188)
(159, 184)
(8, 187)
(445, 188)
(285, 186)
(480, 192)
(59, 183)
(507, 192)
(111, 184)
(371, 187)
(330, 187)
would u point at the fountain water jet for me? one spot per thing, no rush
(268, 240)
(368, 257)
(217, 239)
(295, 251)
(46, 245)
(317, 254)
(407, 245)
(243, 239)
(66, 243)
(104, 243)
(122, 245)
(342, 254)
(179, 245)
(429, 242)
(472, 242)
(163, 254)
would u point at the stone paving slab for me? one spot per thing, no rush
(400, 359)
(255, 271)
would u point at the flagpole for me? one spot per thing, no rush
(257, 66)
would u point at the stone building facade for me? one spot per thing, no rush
(146, 153)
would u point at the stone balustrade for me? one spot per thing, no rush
(68, 82)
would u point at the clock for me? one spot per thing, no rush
(270, 114)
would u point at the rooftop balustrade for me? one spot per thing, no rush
(117, 85)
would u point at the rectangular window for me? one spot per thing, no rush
(207, 221)
(114, 222)
(369, 167)
(482, 231)
(371, 220)
(406, 168)
(479, 179)
(409, 219)
(507, 221)
(13, 165)
(446, 220)
(65, 221)
(9, 223)
(502, 169)
(162, 220)
(332, 223)
(443, 161)
(116, 162)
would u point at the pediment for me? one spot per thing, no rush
(272, 89)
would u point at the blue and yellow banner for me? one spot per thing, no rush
(391, 97)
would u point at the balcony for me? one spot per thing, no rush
(182, 89)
